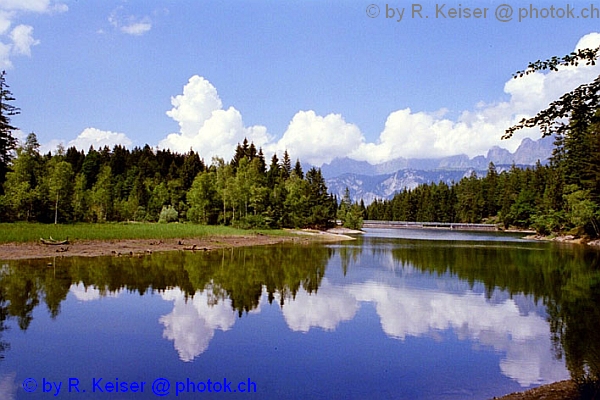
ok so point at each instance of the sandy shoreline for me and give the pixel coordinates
(137, 247)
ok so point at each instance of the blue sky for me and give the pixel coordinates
(319, 78)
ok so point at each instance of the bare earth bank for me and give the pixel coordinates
(563, 390)
(138, 247)
(565, 239)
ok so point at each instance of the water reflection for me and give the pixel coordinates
(333, 305)
(90, 293)
(192, 323)
(8, 386)
(535, 304)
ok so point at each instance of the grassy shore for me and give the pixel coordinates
(32, 232)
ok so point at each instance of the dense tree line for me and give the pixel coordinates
(144, 184)
(547, 198)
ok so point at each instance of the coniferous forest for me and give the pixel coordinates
(545, 198)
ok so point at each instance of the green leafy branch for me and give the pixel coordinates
(581, 103)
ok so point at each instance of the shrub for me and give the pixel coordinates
(168, 214)
(588, 385)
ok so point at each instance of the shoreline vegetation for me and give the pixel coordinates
(30, 240)
(23, 240)
(569, 239)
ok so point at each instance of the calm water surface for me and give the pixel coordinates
(396, 314)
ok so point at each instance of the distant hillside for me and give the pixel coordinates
(382, 181)
(369, 188)
(384, 186)
(528, 153)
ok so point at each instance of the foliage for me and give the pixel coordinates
(145, 185)
(168, 214)
(515, 201)
(349, 213)
(60, 183)
(579, 104)
(581, 210)
(588, 385)
(203, 199)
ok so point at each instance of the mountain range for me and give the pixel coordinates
(381, 181)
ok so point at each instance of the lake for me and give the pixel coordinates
(402, 314)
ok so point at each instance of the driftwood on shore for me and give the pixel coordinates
(53, 242)
(194, 248)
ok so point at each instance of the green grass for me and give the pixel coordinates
(32, 232)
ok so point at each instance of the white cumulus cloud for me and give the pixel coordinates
(38, 6)
(423, 134)
(192, 323)
(137, 28)
(205, 126)
(8, 386)
(5, 21)
(316, 139)
(523, 340)
(212, 130)
(326, 309)
(418, 134)
(90, 293)
(99, 138)
(5, 56)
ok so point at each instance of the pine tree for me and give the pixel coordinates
(298, 169)
(7, 142)
(274, 171)
(322, 208)
(262, 165)
(286, 165)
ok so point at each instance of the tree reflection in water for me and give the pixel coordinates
(566, 280)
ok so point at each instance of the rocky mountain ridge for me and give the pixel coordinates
(369, 182)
